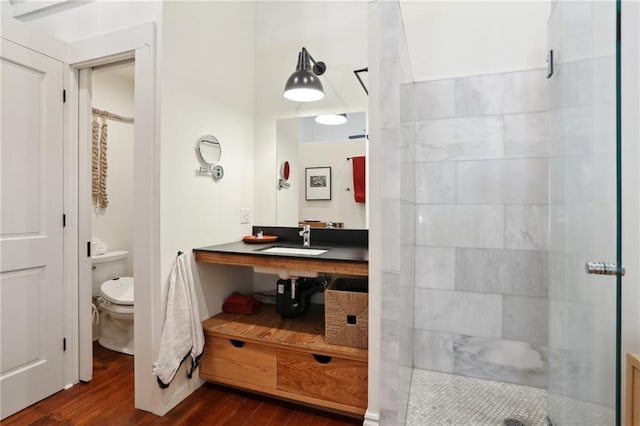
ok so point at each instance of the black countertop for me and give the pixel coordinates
(342, 245)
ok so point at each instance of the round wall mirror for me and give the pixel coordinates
(285, 170)
(209, 149)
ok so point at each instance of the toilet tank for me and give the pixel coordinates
(107, 266)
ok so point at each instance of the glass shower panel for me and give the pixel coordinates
(582, 307)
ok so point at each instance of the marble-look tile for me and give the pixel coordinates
(406, 374)
(589, 327)
(574, 130)
(604, 72)
(433, 350)
(503, 360)
(556, 329)
(390, 303)
(390, 188)
(579, 83)
(435, 267)
(471, 138)
(520, 181)
(584, 376)
(565, 411)
(390, 24)
(458, 312)
(389, 330)
(390, 216)
(408, 133)
(447, 399)
(407, 270)
(389, 108)
(525, 319)
(505, 93)
(460, 226)
(407, 224)
(526, 135)
(526, 226)
(389, 416)
(556, 84)
(435, 99)
(407, 105)
(435, 182)
(406, 347)
(526, 91)
(389, 371)
(480, 95)
(509, 272)
(408, 178)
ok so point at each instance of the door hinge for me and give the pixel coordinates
(550, 63)
(64, 344)
(64, 220)
(88, 248)
(64, 96)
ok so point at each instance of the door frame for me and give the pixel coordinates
(138, 42)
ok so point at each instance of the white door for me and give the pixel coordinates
(31, 244)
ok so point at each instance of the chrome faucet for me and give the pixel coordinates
(306, 235)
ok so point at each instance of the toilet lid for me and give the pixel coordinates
(118, 290)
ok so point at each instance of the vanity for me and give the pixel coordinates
(289, 358)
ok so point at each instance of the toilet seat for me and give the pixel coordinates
(118, 291)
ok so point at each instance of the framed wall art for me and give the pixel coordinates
(317, 183)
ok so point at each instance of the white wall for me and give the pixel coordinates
(113, 91)
(287, 150)
(84, 20)
(455, 39)
(208, 74)
(335, 34)
(342, 206)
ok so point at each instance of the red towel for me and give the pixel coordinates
(359, 178)
(239, 303)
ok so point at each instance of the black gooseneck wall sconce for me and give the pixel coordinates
(304, 85)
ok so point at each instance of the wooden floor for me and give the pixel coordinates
(108, 400)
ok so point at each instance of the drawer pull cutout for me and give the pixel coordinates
(236, 343)
(322, 359)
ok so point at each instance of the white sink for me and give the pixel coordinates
(293, 250)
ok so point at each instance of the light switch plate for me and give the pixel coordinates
(244, 215)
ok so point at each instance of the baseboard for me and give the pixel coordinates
(371, 418)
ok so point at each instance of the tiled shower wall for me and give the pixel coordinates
(481, 193)
(391, 152)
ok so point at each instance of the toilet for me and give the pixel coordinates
(114, 296)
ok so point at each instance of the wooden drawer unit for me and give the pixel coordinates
(277, 359)
(235, 361)
(329, 378)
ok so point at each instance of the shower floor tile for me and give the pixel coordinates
(446, 399)
(566, 411)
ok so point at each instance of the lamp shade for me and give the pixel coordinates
(303, 85)
(331, 119)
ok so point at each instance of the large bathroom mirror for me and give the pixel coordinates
(326, 156)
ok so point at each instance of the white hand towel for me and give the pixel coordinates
(197, 334)
(182, 333)
(98, 246)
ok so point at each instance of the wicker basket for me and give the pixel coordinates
(346, 312)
